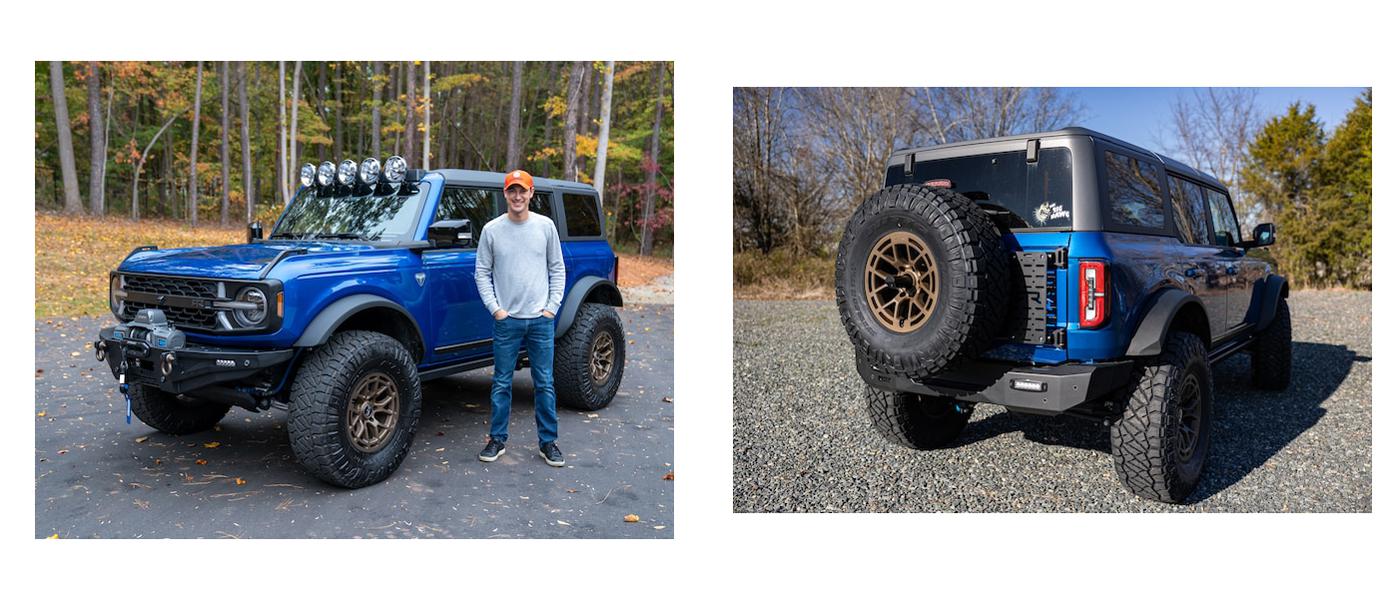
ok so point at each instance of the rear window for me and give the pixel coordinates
(1036, 194)
(581, 215)
(1134, 192)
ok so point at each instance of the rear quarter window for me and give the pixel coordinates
(1134, 192)
(581, 217)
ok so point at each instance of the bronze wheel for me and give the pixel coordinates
(901, 282)
(372, 412)
(600, 361)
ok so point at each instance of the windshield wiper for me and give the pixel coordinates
(341, 236)
(285, 234)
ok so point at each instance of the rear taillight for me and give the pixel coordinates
(1093, 293)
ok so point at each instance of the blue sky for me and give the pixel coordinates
(1138, 115)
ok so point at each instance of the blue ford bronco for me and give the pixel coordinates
(1064, 272)
(364, 289)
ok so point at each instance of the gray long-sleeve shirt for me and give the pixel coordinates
(520, 266)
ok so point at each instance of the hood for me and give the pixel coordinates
(241, 261)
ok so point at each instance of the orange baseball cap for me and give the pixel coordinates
(521, 178)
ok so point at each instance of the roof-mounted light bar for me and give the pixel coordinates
(325, 174)
(395, 168)
(308, 174)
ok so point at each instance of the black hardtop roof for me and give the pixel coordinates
(491, 179)
(1169, 162)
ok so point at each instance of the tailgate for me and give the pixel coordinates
(1036, 317)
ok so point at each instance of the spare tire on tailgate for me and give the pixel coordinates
(921, 280)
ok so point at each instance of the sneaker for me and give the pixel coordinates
(551, 454)
(492, 451)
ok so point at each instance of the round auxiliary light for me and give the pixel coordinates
(369, 171)
(346, 173)
(325, 174)
(395, 168)
(308, 174)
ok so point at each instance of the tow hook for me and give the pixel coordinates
(101, 350)
(168, 364)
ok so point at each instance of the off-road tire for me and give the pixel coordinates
(317, 420)
(1145, 438)
(170, 414)
(916, 421)
(574, 385)
(972, 268)
(1272, 360)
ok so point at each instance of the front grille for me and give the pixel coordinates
(172, 286)
(184, 317)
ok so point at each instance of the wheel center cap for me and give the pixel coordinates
(367, 410)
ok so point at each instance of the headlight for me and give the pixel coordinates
(308, 174)
(369, 171)
(325, 174)
(395, 168)
(346, 173)
(116, 295)
(255, 315)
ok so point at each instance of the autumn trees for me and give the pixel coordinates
(276, 116)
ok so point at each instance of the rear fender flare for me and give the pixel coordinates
(1151, 334)
(589, 288)
(1264, 301)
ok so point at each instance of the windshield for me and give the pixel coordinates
(1035, 194)
(387, 217)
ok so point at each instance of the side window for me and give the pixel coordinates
(1189, 209)
(581, 215)
(1134, 192)
(1227, 232)
(467, 203)
(541, 205)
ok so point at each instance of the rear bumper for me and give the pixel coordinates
(194, 366)
(1044, 390)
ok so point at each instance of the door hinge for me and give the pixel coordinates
(1060, 258)
(1057, 338)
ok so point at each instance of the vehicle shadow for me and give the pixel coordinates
(1250, 426)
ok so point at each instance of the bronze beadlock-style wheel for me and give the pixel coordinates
(373, 412)
(600, 360)
(901, 282)
(1189, 408)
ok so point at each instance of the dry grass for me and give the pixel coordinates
(72, 256)
(635, 269)
(782, 275)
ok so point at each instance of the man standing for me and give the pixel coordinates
(520, 276)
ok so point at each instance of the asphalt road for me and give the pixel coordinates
(803, 442)
(97, 477)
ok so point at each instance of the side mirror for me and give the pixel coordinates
(1264, 234)
(447, 234)
(255, 232)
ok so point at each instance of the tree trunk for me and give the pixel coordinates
(106, 141)
(136, 176)
(245, 141)
(605, 121)
(296, 103)
(72, 201)
(96, 202)
(320, 107)
(338, 133)
(223, 141)
(571, 120)
(410, 119)
(427, 112)
(513, 141)
(282, 133)
(376, 121)
(193, 201)
(649, 207)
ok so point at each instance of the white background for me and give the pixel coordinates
(716, 47)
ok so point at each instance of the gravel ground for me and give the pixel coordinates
(96, 476)
(803, 442)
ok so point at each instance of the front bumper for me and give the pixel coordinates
(1043, 390)
(192, 366)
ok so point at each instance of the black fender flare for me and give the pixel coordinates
(336, 313)
(1264, 301)
(587, 286)
(1151, 332)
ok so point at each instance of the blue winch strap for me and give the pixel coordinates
(128, 408)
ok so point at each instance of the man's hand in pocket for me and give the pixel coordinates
(501, 314)
(547, 314)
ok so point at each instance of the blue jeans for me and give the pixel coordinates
(537, 334)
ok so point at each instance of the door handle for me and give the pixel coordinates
(1193, 273)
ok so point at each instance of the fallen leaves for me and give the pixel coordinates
(43, 413)
(631, 519)
(200, 461)
(142, 439)
(211, 444)
(53, 537)
(239, 481)
(669, 476)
